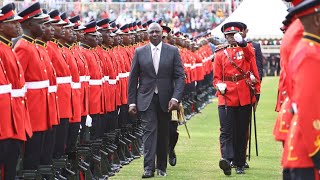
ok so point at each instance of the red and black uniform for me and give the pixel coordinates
(302, 145)
(74, 122)
(15, 124)
(64, 92)
(235, 105)
(53, 118)
(37, 83)
(289, 42)
(96, 100)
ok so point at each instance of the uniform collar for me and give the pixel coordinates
(41, 43)
(311, 37)
(68, 45)
(103, 47)
(6, 41)
(85, 46)
(232, 46)
(60, 45)
(55, 41)
(28, 38)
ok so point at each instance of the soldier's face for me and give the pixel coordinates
(59, 31)
(37, 27)
(91, 40)
(230, 39)
(125, 39)
(80, 35)
(10, 29)
(48, 32)
(155, 33)
(99, 39)
(69, 36)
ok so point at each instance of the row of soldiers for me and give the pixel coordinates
(298, 125)
(61, 78)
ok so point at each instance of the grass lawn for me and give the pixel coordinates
(198, 157)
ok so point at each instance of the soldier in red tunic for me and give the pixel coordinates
(17, 120)
(301, 150)
(49, 138)
(37, 82)
(237, 80)
(88, 43)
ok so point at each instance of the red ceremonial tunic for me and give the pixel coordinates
(84, 79)
(64, 79)
(75, 85)
(95, 84)
(238, 92)
(117, 68)
(37, 82)
(7, 128)
(53, 118)
(289, 42)
(303, 140)
(15, 74)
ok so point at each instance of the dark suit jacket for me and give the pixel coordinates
(259, 58)
(143, 78)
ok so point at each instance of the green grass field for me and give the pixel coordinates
(198, 157)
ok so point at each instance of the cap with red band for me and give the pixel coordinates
(91, 28)
(33, 11)
(305, 8)
(231, 27)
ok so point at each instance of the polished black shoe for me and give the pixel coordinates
(240, 170)
(161, 173)
(246, 165)
(172, 158)
(232, 165)
(148, 174)
(224, 164)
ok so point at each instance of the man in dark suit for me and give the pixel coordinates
(156, 84)
(257, 50)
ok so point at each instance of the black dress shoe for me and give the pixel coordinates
(246, 165)
(161, 173)
(172, 158)
(148, 174)
(232, 165)
(224, 164)
(240, 170)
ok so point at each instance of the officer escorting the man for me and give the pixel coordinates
(237, 80)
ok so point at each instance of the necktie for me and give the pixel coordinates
(155, 59)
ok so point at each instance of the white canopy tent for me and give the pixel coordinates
(263, 18)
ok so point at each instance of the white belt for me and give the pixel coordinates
(52, 89)
(211, 57)
(122, 75)
(37, 84)
(82, 78)
(112, 81)
(95, 82)
(117, 78)
(193, 66)
(199, 64)
(127, 74)
(4, 89)
(76, 85)
(106, 78)
(18, 92)
(64, 80)
(187, 65)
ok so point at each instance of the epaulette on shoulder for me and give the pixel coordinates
(221, 47)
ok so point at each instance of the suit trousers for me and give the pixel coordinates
(9, 154)
(234, 125)
(173, 135)
(155, 124)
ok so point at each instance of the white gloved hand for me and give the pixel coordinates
(253, 78)
(238, 37)
(89, 121)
